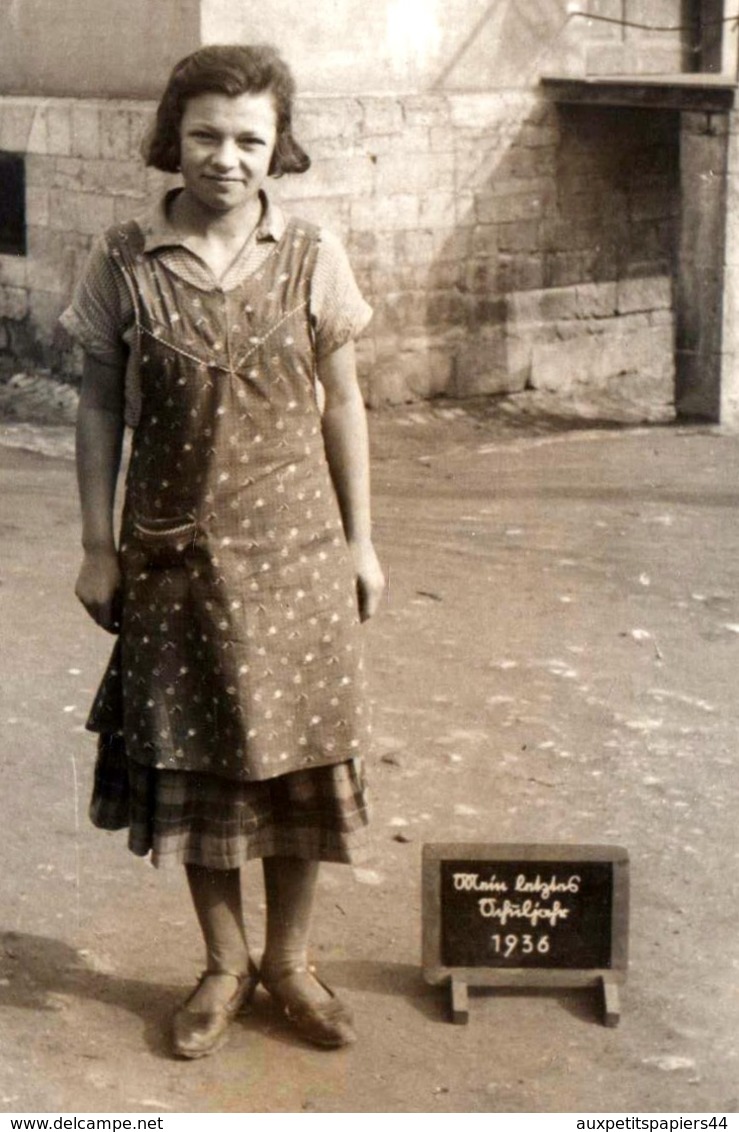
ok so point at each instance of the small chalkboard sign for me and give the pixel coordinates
(525, 916)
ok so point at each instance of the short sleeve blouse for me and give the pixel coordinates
(101, 315)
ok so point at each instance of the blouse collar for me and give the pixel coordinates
(159, 231)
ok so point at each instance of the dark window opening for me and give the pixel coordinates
(12, 204)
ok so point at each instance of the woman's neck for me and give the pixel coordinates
(193, 219)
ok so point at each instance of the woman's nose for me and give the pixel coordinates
(225, 156)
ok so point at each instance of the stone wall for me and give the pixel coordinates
(498, 238)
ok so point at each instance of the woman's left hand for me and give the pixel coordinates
(370, 578)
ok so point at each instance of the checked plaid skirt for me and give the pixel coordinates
(189, 817)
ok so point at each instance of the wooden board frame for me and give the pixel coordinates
(608, 978)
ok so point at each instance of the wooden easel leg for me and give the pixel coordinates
(460, 1002)
(611, 1004)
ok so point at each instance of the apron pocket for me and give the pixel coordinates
(165, 541)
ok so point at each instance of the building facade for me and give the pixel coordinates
(505, 238)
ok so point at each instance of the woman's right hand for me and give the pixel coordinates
(99, 588)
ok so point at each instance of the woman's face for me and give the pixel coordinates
(226, 146)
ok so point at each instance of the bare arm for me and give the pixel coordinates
(99, 444)
(347, 452)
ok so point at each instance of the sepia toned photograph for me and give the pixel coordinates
(369, 464)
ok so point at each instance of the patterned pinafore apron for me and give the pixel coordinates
(239, 652)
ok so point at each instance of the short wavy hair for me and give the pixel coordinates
(231, 70)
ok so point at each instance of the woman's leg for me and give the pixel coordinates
(314, 1010)
(290, 885)
(216, 894)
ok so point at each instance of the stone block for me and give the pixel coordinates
(67, 173)
(524, 307)
(504, 209)
(46, 259)
(631, 323)
(355, 177)
(596, 300)
(59, 128)
(16, 121)
(529, 164)
(480, 276)
(402, 312)
(85, 129)
(658, 59)
(556, 235)
(485, 240)
(412, 247)
(558, 366)
(13, 270)
(442, 309)
(538, 137)
(520, 273)
(13, 303)
(117, 178)
(652, 293)
(37, 207)
(128, 207)
(561, 269)
(62, 209)
(362, 246)
(409, 142)
(610, 59)
(601, 361)
(440, 139)
(387, 384)
(486, 366)
(115, 132)
(44, 310)
(54, 259)
(476, 168)
(559, 303)
(323, 117)
(385, 212)
(437, 209)
(38, 141)
(327, 212)
(381, 115)
(439, 276)
(89, 213)
(466, 216)
(424, 173)
(409, 375)
(520, 236)
(40, 170)
(484, 111)
(141, 121)
(425, 110)
(157, 183)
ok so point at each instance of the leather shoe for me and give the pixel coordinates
(329, 1024)
(197, 1033)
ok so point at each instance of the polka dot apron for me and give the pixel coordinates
(239, 651)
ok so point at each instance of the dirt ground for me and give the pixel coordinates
(554, 662)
